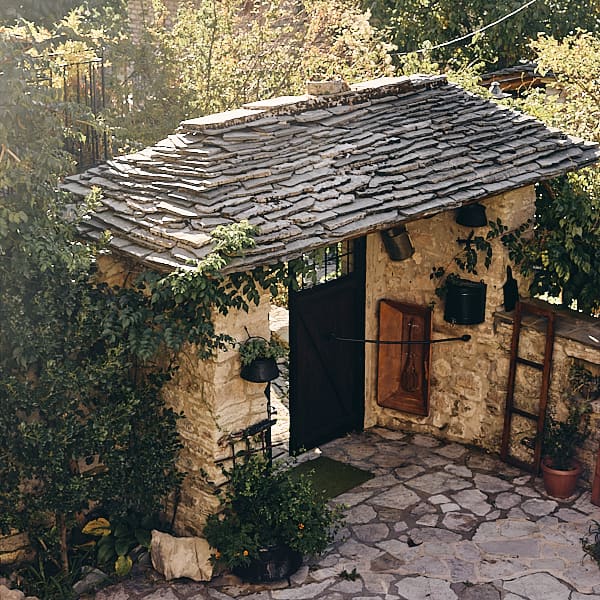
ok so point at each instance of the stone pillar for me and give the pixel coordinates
(213, 398)
(215, 402)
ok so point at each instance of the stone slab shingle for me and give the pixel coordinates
(311, 169)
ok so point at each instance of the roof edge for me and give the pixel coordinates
(358, 92)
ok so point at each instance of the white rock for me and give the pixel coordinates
(539, 586)
(539, 508)
(424, 588)
(7, 594)
(439, 499)
(181, 557)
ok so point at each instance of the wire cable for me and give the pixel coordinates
(468, 35)
(337, 338)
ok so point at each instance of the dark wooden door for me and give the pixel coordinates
(327, 376)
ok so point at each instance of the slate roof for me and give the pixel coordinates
(312, 170)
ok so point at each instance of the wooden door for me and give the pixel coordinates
(327, 376)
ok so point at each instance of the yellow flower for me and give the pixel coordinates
(245, 552)
(300, 526)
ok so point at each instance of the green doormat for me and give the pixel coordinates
(331, 476)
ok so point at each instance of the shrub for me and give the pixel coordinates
(264, 506)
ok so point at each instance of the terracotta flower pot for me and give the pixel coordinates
(560, 484)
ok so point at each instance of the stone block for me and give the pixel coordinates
(14, 541)
(8, 594)
(181, 557)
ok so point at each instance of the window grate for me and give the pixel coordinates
(328, 264)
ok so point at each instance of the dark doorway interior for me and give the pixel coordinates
(327, 376)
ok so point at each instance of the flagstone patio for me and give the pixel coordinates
(439, 521)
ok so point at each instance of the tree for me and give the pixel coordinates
(561, 253)
(66, 389)
(214, 55)
(414, 24)
(82, 364)
(47, 12)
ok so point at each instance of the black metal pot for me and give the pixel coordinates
(260, 370)
(471, 215)
(273, 564)
(465, 302)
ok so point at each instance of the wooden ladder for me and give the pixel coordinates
(545, 366)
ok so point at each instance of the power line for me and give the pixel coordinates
(468, 35)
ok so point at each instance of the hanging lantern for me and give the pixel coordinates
(397, 243)
(472, 215)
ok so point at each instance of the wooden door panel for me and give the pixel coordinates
(403, 369)
(326, 376)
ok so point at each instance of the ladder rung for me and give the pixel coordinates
(529, 363)
(524, 413)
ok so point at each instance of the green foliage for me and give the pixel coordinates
(563, 437)
(118, 538)
(591, 543)
(47, 12)
(215, 56)
(257, 347)
(265, 506)
(45, 581)
(68, 391)
(82, 364)
(575, 63)
(350, 576)
(414, 24)
(560, 251)
(467, 258)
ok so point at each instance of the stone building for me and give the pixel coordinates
(337, 171)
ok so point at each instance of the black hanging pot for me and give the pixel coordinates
(465, 301)
(272, 564)
(260, 370)
(471, 215)
(397, 243)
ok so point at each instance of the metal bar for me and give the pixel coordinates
(525, 414)
(530, 363)
(462, 338)
(102, 83)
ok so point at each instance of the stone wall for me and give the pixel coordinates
(465, 401)
(216, 402)
(213, 398)
(15, 548)
(467, 380)
(574, 344)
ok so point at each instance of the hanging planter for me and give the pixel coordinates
(465, 301)
(258, 357)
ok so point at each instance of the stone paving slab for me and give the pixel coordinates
(438, 522)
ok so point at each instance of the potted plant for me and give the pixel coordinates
(269, 519)
(258, 357)
(560, 469)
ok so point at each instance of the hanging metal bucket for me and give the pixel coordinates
(465, 302)
(472, 215)
(397, 243)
